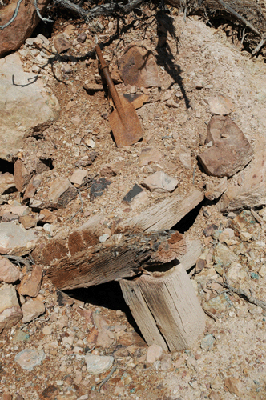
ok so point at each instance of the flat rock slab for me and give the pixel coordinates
(24, 105)
(160, 182)
(248, 189)
(98, 364)
(138, 67)
(10, 312)
(230, 151)
(9, 272)
(32, 309)
(16, 240)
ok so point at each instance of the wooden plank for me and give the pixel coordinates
(165, 214)
(171, 302)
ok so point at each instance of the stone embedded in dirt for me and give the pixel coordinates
(140, 200)
(61, 192)
(78, 176)
(10, 312)
(220, 105)
(14, 35)
(160, 182)
(22, 108)
(149, 155)
(16, 240)
(105, 338)
(98, 186)
(7, 183)
(61, 43)
(32, 309)
(132, 193)
(9, 272)
(154, 353)
(215, 191)
(92, 87)
(31, 283)
(138, 67)
(28, 221)
(98, 364)
(230, 150)
(207, 342)
(185, 158)
(82, 37)
(30, 358)
(137, 100)
(249, 187)
(233, 385)
(47, 216)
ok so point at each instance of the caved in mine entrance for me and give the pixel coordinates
(188, 220)
(6, 166)
(108, 295)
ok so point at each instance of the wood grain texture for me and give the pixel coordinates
(166, 303)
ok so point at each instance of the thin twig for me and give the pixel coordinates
(238, 16)
(13, 17)
(260, 45)
(39, 14)
(107, 377)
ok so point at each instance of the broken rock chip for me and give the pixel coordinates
(32, 309)
(30, 358)
(160, 182)
(16, 240)
(78, 176)
(9, 272)
(98, 364)
(230, 151)
(138, 67)
(215, 191)
(23, 107)
(132, 193)
(10, 312)
(61, 43)
(220, 105)
(148, 155)
(31, 283)
(61, 192)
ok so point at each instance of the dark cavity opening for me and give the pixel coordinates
(188, 220)
(48, 162)
(6, 166)
(108, 295)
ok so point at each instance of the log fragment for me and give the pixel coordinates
(165, 308)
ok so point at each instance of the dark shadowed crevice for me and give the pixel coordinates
(6, 166)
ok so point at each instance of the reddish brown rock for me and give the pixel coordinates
(15, 34)
(138, 67)
(31, 283)
(28, 221)
(230, 151)
(32, 309)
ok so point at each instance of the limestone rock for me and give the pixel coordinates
(14, 35)
(23, 106)
(30, 358)
(215, 191)
(98, 364)
(9, 272)
(230, 151)
(249, 187)
(160, 182)
(78, 176)
(148, 155)
(16, 240)
(154, 352)
(32, 309)
(220, 105)
(31, 283)
(61, 192)
(10, 312)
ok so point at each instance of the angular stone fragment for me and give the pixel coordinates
(31, 283)
(220, 105)
(138, 67)
(215, 191)
(61, 192)
(23, 106)
(230, 151)
(10, 312)
(14, 35)
(132, 193)
(15, 240)
(30, 358)
(148, 155)
(61, 43)
(7, 183)
(248, 189)
(32, 309)
(98, 364)
(9, 272)
(78, 176)
(28, 221)
(160, 182)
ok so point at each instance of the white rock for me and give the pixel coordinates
(15, 239)
(154, 353)
(220, 105)
(10, 312)
(78, 176)
(30, 358)
(98, 364)
(104, 237)
(160, 182)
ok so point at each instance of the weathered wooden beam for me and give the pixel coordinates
(123, 255)
(166, 308)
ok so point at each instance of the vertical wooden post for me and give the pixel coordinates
(166, 308)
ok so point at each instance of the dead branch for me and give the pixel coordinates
(39, 14)
(13, 17)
